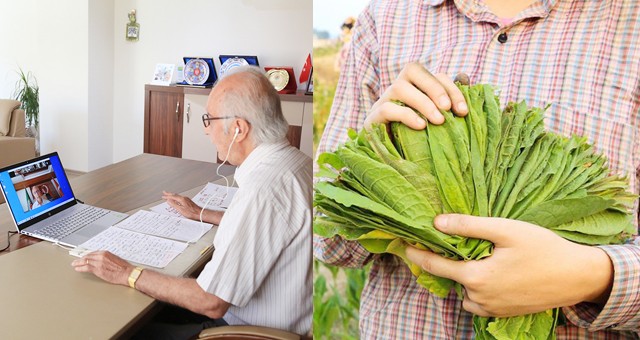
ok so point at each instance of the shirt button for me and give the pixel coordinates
(502, 38)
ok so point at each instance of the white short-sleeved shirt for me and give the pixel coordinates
(262, 258)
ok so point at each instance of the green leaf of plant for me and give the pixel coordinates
(555, 212)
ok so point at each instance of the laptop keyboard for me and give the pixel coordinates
(71, 223)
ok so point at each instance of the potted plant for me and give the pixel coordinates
(27, 93)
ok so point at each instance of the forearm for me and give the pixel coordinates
(183, 292)
(208, 216)
(211, 216)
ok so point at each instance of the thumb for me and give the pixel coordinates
(492, 229)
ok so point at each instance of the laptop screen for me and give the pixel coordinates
(35, 188)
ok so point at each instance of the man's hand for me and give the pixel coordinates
(531, 269)
(422, 91)
(184, 205)
(106, 266)
(187, 208)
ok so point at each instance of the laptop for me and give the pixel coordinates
(42, 204)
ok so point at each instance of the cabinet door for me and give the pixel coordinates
(195, 143)
(163, 123)
(292, 112)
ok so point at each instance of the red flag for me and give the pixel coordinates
(306, 69)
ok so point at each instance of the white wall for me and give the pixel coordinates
(277, 31)
(100, 84)
(38, 37)
(92, 80)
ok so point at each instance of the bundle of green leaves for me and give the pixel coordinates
(384, 187)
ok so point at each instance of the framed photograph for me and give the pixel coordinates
(163, 74)
(310, 83)
(133, 28)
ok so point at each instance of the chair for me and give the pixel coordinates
(248, 333)
(15, 146)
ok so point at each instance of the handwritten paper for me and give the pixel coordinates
(152, 223)
(220, 196)
(136, 247)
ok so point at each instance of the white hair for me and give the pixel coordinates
(257, 102)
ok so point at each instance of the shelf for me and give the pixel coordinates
(297, 97)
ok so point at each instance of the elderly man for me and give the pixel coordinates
(39, 196)
(260, 272)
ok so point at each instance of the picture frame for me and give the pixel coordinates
(163, 74)
(133, 31)
(309, 90)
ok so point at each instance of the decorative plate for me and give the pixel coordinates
(279, 78)
(230, 64)
(196, 71)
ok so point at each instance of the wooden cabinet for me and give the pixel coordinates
(163, 120)
(195, 143)
(173, 124)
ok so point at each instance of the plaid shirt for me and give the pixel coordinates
(583, 57)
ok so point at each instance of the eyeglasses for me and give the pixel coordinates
(206, 119)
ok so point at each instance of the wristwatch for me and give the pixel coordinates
(133, 277)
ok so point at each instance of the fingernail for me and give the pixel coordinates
(420, 122)
(444, 101)
(462, 106)
(441, 222)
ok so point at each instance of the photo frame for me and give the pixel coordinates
(309, 90)
(163, 74)
(132, 32)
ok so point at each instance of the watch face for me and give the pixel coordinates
(278, 78)
(231, 63)
(196, 71)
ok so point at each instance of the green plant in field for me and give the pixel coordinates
(336, 301)
(27, 92)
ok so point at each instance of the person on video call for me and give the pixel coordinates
(260, 272)
(39, 196)
(582, 57)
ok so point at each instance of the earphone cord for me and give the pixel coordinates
(224, 177)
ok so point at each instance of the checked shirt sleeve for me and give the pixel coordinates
(340, 252)
(357, 90)
(622, 310)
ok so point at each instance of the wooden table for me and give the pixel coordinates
(44, 298)
(126, 186)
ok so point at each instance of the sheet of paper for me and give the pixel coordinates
(220, 201)
(152, 223)
(144, 249)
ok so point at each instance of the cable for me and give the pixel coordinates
(63, 246)
(224, 177)
(9, 233)
(226, 182)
